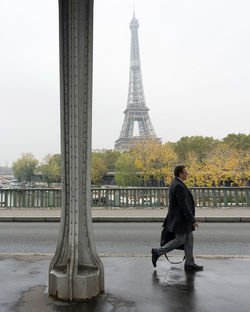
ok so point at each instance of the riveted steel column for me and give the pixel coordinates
(76, 271)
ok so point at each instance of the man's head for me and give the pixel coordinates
(180, 171)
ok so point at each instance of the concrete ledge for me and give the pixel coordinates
(223, 219)
(112, 255)
(112, 219)
(245, 219)
(123, 219)
(29, 219)
(52, 219)
(158, 219)
(139, 219)
(201, 219)
(6, 219)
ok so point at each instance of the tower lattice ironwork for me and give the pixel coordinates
(136, 110)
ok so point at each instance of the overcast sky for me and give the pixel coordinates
(195, 67)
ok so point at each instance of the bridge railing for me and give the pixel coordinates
(30, 198)
(127, 197)
(158, 197)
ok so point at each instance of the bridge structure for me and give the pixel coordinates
(76, 271)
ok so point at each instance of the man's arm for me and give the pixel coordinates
(182, 203)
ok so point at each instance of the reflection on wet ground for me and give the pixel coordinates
(133, 285)
(175, 277)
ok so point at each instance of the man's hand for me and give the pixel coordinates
(196, 224)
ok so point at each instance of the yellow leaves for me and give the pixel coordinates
(222, 165)
(139, 164)
(152, 159)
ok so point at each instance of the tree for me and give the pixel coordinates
(110, 157)
(240, 141)
(143, 154)
(51, 168)
(163, 162)
(126, 171)
(182, 147)
(98, 168)
(222, 166)
(24, 168)
(226, 165)
(193, 164)
(196, 145)
(154, 160)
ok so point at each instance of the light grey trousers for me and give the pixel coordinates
(187, 239)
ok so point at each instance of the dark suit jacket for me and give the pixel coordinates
(181, 211)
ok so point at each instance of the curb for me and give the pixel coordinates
(125, 219)
(106, 255)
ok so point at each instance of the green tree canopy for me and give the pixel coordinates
(110, 157)
(126, 171)
(24, 168)
(240, 141)
(194, 145)
(51, 168)
(98, 168)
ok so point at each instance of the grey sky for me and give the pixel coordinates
(195, 65)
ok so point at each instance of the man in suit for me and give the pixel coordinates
(180, 220)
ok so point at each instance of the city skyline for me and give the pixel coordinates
(195, 70)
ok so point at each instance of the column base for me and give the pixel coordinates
(88, 283)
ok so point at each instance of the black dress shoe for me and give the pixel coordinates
(193, 267)
(154, 256)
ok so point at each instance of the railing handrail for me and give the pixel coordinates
(128, 188)
(31, 189)
(126, 197)
(166, 187)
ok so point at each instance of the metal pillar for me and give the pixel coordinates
(76, 272)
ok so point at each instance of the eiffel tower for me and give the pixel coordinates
(136, 110)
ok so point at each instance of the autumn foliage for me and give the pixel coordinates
(224, 165)
(209, 162)
(154, 160)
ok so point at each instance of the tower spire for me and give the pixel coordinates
(136, 110)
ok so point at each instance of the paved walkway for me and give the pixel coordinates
(126, 215)
(131, 285)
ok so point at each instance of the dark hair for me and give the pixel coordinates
(178, 169)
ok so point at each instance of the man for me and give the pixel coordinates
(180, 220)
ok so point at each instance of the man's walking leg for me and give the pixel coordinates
(188, 248)
(176, 242)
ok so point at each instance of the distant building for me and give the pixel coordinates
(6, 172)
(100, 150)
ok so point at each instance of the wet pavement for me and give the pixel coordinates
(132, 285)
